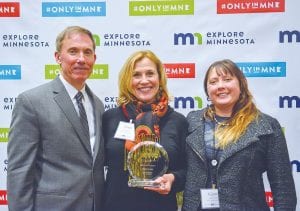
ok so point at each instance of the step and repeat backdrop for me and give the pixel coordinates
(261, 36)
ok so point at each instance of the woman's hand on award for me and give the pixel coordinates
(165, 184)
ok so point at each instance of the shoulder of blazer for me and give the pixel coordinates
(263, 125)
(43, 89)
(255, 130)
(195, 119)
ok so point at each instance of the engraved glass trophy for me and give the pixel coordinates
(146, 161)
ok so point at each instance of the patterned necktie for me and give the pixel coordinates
(82, 113)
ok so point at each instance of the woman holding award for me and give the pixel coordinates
(229, 147)
(143, 116)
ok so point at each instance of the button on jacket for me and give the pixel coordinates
(262, 148)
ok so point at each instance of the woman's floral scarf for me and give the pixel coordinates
(145, 118)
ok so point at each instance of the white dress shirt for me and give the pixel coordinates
(87, 106)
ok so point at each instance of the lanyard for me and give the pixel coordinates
(213, 159)
(214, 162)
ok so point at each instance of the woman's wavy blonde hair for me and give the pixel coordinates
(126, 94)
(244, 111)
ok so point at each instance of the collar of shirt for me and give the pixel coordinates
(71, 90)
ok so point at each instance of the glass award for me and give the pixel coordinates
(146, 161)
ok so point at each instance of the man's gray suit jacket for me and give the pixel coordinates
(50, 163)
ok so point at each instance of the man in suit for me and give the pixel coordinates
(55, 162)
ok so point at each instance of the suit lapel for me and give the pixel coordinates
(97, 122)
(255, 129)
(196, 137)
(62, 98)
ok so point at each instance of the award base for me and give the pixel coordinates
(142, 183)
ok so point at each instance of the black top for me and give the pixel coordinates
(118, 196)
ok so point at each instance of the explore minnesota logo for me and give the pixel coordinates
(161, 7)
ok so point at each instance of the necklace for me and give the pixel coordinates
(220, 123)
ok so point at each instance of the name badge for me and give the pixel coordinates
(210, 198)
(125, 130)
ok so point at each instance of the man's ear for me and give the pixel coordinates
(57, 57)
